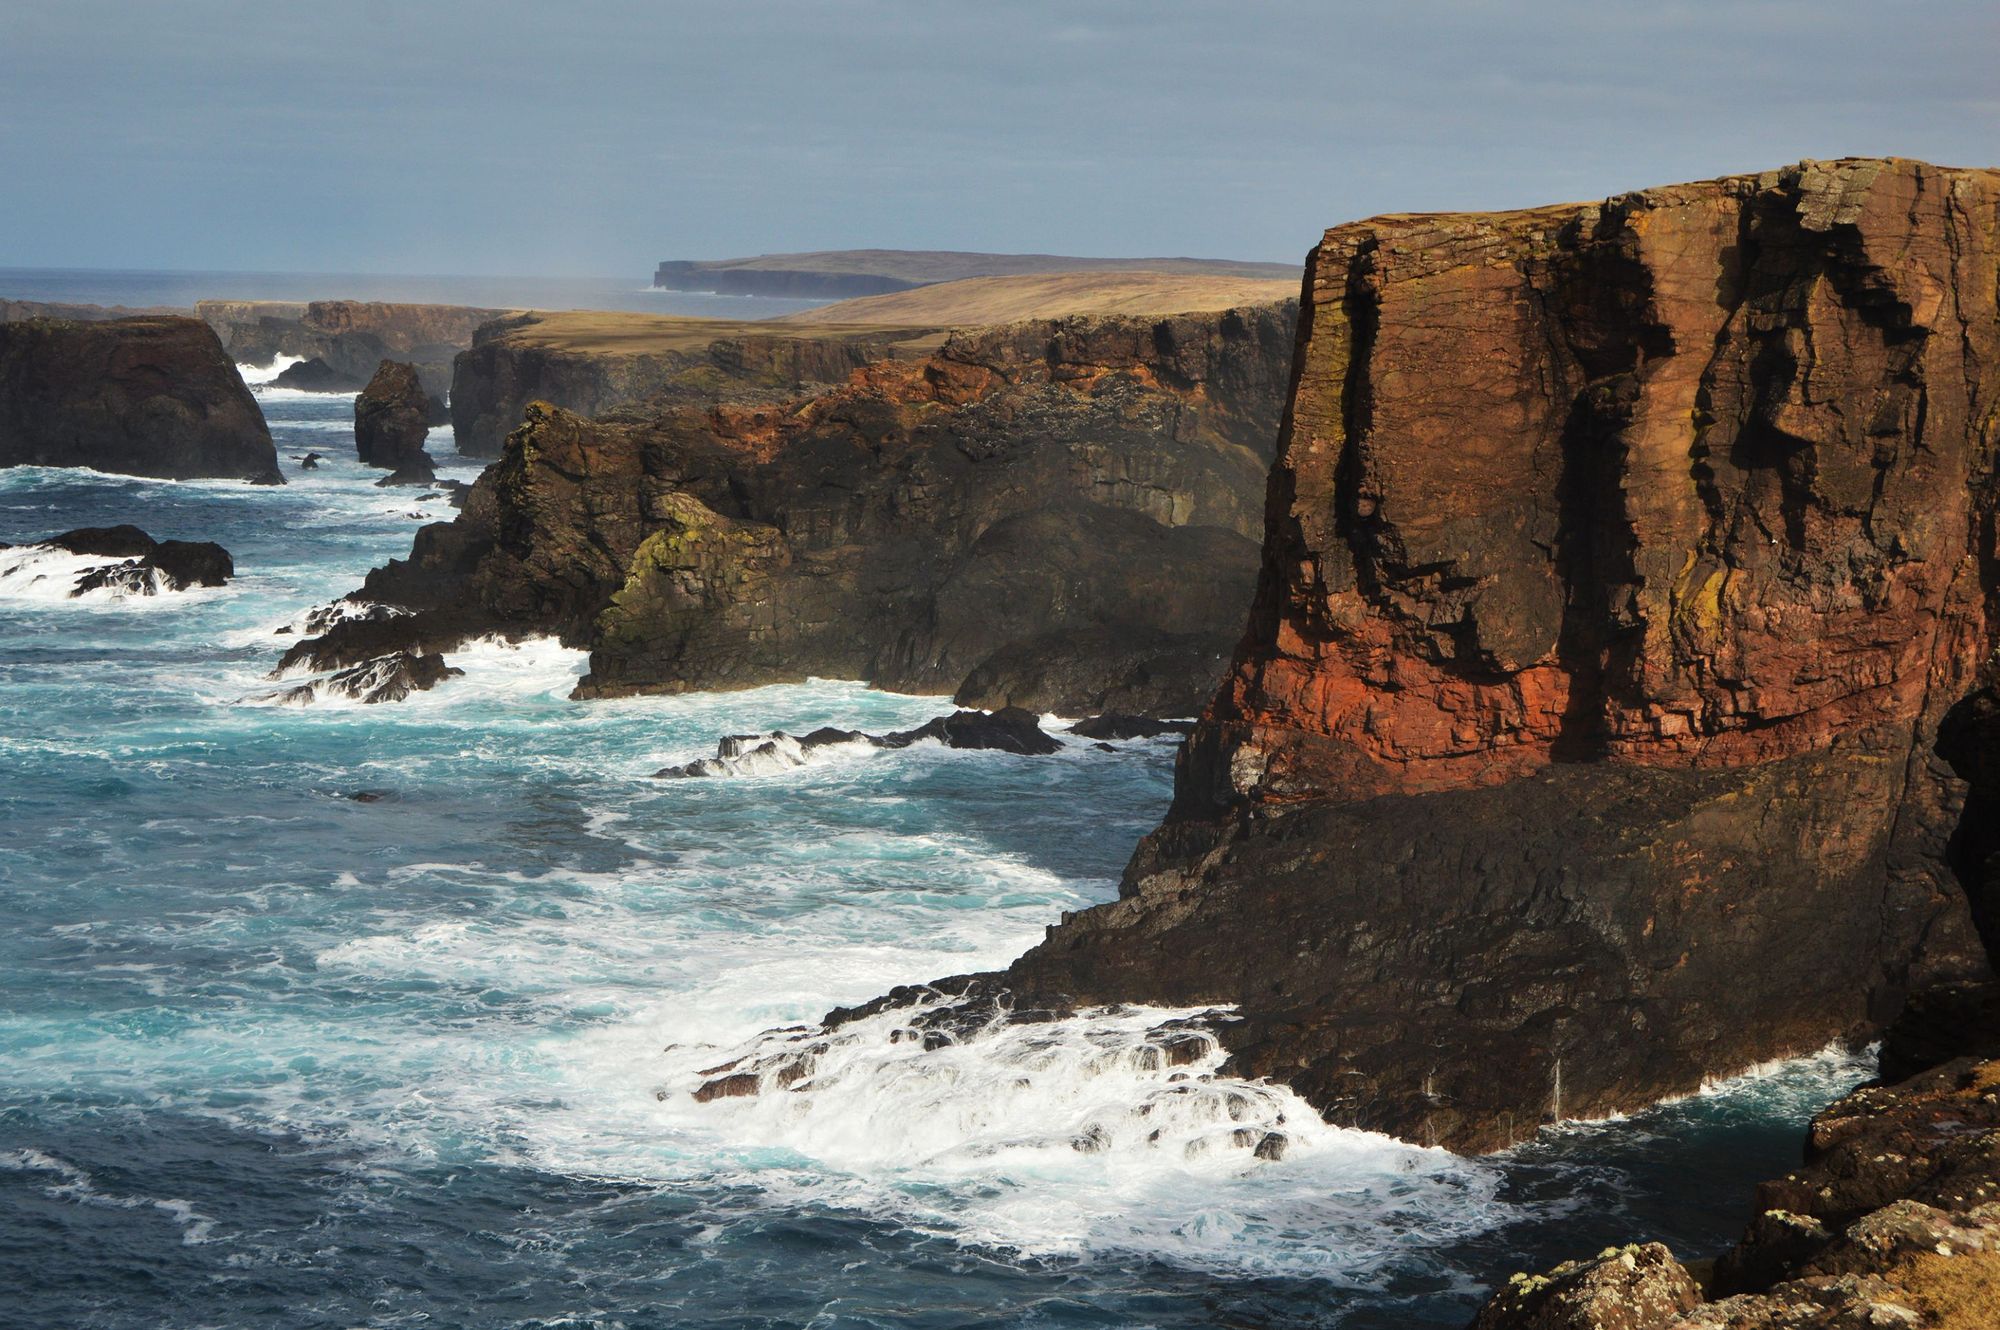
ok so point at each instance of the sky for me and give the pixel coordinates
(596, 137)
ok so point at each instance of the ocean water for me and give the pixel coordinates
(273, 1055)
(144, 287)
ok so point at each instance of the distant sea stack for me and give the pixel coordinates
(1060, 515)
(847, 273)
(153, 396)
(391, 421)
(1620, 565)
(348, 338)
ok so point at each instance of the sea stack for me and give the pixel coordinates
(391, 419)
(1622, 561)
(152, 396)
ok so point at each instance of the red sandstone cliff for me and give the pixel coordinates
(1620, 562)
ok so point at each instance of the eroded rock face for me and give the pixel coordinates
(149, 396)
(1096, 481)
(387, 678)
(1622, 562)
(391, 420)
(144, 566)
(515, 361)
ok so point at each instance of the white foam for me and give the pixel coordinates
(46, 575)
(254, 375)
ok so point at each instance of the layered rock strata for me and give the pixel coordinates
(151, 396)
(1064, 510)
(1621, 563)
(591, 363)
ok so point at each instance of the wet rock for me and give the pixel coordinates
(314, 375)
(1112, 726)
(737, 1085)
(147, 566)
(388, 678)
(1009, 730)
(111, 542)
(310, 462)
(413, 471)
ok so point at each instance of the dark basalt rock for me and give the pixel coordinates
(310, 462)
(145, 397)
(111, 542)
(391, 420)
(413, 471)
(314, 375)
(389, 678)
(1011, 731)
(1060, 510)
(1128, 727)
(149, 566)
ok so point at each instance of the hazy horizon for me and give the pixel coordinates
(593, 140)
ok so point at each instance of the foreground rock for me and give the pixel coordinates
(1011, 730)
(144, 397)
(143, 566)
(1060, 513)
(1581, 743)
(1894, 1220)
(391, 422)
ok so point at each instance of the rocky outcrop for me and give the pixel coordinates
(19, 311)
(1008, 731)
(386, 678)
(1621, 564)
(591, 363)
(1094, 483)
(144, 397)
(137, 565)
(1893, 1220)
(392, 419)
(348, 338)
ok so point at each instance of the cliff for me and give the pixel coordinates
(589, 363)
(1620, 563)
(146, 397)
(351, 337)
(843, 274)
(1054, 515)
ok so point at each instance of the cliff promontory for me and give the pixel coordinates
(149, 396)
(591, 362)
(348, 338)
(1056, 514)
(1621, 562)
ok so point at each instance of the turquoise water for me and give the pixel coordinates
(270, 1055)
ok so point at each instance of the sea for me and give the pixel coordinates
(335, 1015)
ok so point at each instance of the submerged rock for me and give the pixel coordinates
(1128, 727)
(144, 397)
(1012, 731)
(413, 471)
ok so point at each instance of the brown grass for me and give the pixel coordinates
(989, 300)
(606, 333)
(1955, 1292)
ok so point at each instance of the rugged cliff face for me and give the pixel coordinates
(1620, 563)
(144, 397)
(1056, 514)
(351, 337)
(391, 421)
(591, 363)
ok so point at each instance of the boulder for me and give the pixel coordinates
(314, 375)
